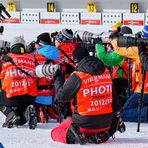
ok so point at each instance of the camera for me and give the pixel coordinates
(92, 38)
(30, 47)
(88, 39)
(128, 41)
(4, 47)
(53, 37)
(46, 70)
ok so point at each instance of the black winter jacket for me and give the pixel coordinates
(144, 59)
(67, 90)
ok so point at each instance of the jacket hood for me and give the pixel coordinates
(91, 65)
(50, 52)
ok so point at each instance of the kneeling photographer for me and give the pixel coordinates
(18, 86)
(128, 47)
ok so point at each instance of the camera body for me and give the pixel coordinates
(30, 47)
(4, 47)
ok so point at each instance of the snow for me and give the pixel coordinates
(23, 137)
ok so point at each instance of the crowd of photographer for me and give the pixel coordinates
(92, 80)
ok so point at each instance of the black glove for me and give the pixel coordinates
(115, 35)
(66, 67)
(141, 47)
(69, 69)
(58, 73)
(97, 40)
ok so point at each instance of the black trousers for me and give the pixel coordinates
(17, 103)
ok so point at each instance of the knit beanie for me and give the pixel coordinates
(79, 54)
(65, 35)
(144, 31)
(126, 30)
(17, 40)
(43, 39)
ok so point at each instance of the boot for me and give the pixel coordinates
(11, 120)
(121, 127)
(77, 136)
(31, 116)
(99, 137)
(117, 125)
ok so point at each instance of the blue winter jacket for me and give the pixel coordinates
(50, 52)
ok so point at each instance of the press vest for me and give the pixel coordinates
(68, 48)
(95, 94)
(44, 84)
(123, 68)
(14, 81)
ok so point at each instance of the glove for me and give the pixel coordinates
(114, 35)
(68, 67)
(141, 47)
(54, 68)
(97, 40)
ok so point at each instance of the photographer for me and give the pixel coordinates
(65, 44)
(91, 120)
(44, 54)
(130, 112)
(143, 51)
(18, 82)
(119, 69)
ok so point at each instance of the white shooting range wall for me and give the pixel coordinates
(30, 31)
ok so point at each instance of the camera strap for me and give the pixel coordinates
(65, 54)
(7, 58)
(52, 80)
(48, 61)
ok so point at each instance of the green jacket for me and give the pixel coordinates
(109, 59)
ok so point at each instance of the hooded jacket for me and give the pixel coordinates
(41, 56)
(50, 52)
(132, 53)
(109, 59)
(120, 69)
(68, 91)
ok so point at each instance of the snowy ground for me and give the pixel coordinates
(23, 137)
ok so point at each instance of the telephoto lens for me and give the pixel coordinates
(125, 41)
(46, 70)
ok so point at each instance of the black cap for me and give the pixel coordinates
(126, 30)
(79, 54)
(44, 39)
